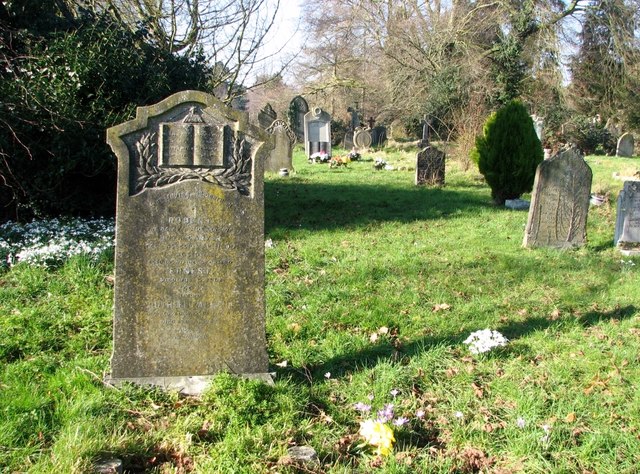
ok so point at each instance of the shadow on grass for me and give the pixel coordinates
(296, 204)
(370, 357)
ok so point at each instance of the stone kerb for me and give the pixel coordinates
(189, 259)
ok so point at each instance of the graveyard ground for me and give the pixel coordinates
(372, 286)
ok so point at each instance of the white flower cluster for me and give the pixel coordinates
(484, 341)
(51, 242)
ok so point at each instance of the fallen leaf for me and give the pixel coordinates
(383, 330)
(570, 418)
(441, 307)
(477, 390)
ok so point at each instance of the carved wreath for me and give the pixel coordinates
(237, 176)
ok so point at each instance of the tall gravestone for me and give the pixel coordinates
(378, 135)
(559, 202)
(266, 116)
(625, 145)
(361, 139)
(430, 167)
(189, 263)
(281, 155)
(298, 108)
(627, 233)
(317, 132)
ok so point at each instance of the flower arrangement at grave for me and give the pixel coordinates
(320, 157)
(354, 155)
(379, 164)
(339, 161)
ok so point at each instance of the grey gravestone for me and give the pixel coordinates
(361, 139)
(378, 135)
(625, 146)
(538, 125)
(426, 131)
(189, 262)
(298, 108)
(281, 155)
(559, 202)
(317, 132)
(430, 167)
(354, 121)
(627, 233)
(398, 130)
(347, 144)
(266, 116)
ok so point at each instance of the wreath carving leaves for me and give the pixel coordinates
(237, 176)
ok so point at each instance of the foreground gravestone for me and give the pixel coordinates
(189, 263)
(430, 167)
(627, 233)
(282, 153)
(625, 146)
(298, 108)
(317, 132)
(559, 202)
(266, 116)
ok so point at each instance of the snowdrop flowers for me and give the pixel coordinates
(484, 341)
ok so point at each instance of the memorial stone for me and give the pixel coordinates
(378, 135)
(361, 139)
(189, 259)
(398, 130)
(347, 144)
(281, 155)
(298, 108)
(538, 125)
(266, 116)
(317, 132)
(559, 202)
(627, 232)
(625, 146)
(430, 167)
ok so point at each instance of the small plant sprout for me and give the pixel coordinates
(484, 341)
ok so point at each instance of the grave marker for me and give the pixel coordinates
(317, 132)
(266, 116)
(430, 167)
(189, 263)
(627, 233)
(559, 202)
(281, 155)
(298, 108)
(625, 146)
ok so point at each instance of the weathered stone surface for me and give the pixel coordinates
(266, 116)
(627, 232)
(317, 132)
(108, 466)
(559, 202)
(361, 139)
(378, 135)
(189, 290)
(282, 153)
(347, 144)
(517, 204)
(625, 146)
(298, 108)
(398, 130)
(430, 167)
(538, 125)
(303, 454)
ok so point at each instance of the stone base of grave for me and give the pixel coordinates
(629, 252)
(517, 204)
(193, 385)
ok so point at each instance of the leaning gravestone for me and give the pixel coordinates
(627, 233)
(298, 108)
(559, 202)
(317, 132)
(281, 155)
(625, 146)
(361, 139)
(430, 167)
(189, 262)
(266, 116)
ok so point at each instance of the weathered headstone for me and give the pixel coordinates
(266, 116)
(347, 144)
(378, 135)
(317, 132)
(298, 108)
(426, 131)
(559, 202)
(361, 139)
(538, 125)
(627, 233)
(189, 262)
(430, 167)
(281, 155)
(398, 130)
(625, 145)
(354, 119)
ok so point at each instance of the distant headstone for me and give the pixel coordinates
(317, 132)
(361, 139)
(281, 155)
(538, 125)
(627, 233)
(430, 167)
(625, 145)
(559, 202)
(398, 130)
(354, 121)
(378, 135)
(426, 131)
(298, 108)
(266, 117)
(347, 144)
(189, 261)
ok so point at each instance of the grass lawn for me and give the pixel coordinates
(372, 286)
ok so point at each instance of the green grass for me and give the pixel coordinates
(377, 283)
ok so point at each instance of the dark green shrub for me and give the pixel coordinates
(590, 136)
(508, 152)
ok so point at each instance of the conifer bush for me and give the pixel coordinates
(508, 152)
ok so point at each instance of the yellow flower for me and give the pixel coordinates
(379, 435)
